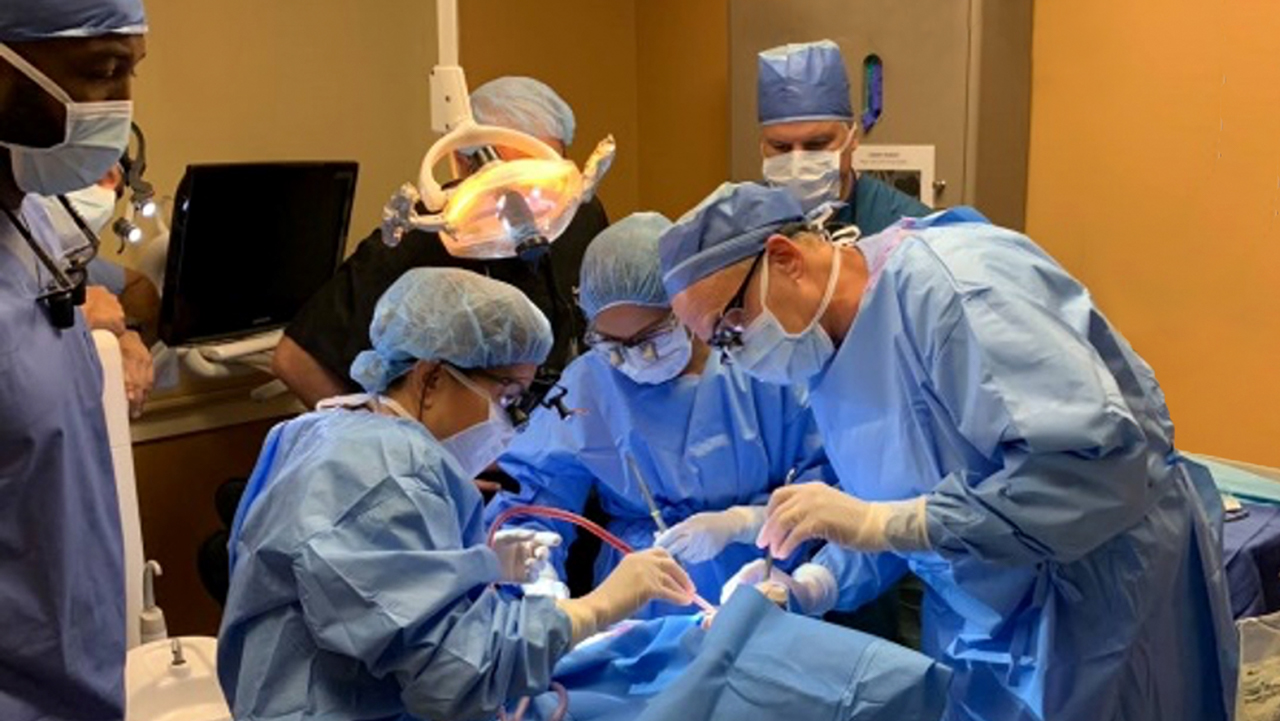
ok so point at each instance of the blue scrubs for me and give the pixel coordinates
(1076, 575)
(106, 274)
(360, 583)
(873, 205)
(703, 443)
(62, 616)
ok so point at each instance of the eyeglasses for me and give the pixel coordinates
(520, 402)
(644, 339)
(510, 390)
(726, 334)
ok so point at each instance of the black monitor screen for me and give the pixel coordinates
(250, 243)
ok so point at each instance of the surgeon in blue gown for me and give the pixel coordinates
(62, 609)
(656, 408)
(808, 134)
(991, 431)
(361, 585)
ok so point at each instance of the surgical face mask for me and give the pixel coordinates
(656, 360)
(476, 447)
(811, 176)
(95, 204)
(95, 136)
(773, 355)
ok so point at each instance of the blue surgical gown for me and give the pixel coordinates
(62, 617)
(360, 583)
(1075, 574)
(703, 442)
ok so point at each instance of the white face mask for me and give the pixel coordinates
(773, 355)
(811, 176)
(656, 360)
(95, 136)
(95, 204)
(478, 446)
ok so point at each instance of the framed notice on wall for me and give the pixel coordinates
(909, 168)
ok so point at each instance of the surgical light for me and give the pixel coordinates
(126, 230)
(146, 207)
(502, 208)
(142, 193)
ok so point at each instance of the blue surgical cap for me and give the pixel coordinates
(802, 82)
(524, 104)
(732, 224)
(23, 20)
(451, 315)
(621, 266)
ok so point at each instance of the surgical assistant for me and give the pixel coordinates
(658, 415)
(361, 586)
(992, 432)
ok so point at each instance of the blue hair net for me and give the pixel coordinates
(23, 20)
(452, 315)
(802, 82)
(730, 225)
(621, 265)
(524, 104)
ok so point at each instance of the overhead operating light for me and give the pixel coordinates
(506, 208)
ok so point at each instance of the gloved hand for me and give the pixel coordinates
(523, 552)
(812, 587)
(641, 577)
(816, 510)
(703, 536)
(547, 583)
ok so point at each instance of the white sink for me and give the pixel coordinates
(158, 690)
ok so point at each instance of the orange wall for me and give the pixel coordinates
(683, 101)
(1155, 177)
(654, 73)
(586, 51)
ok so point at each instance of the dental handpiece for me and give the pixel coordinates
(654, 513)
(768, 553)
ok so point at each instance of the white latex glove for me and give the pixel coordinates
(547, 583)
(816, 510)
(139, 372)
(523, 552)
(641, 577)
(812, 587)
(703, 536)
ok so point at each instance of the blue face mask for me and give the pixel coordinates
(771, 354)
(656, 360)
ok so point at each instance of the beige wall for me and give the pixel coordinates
(1155, 177)
(238, 80)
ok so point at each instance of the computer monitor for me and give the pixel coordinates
(250, 243)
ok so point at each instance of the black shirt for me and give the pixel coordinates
(333, 326)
